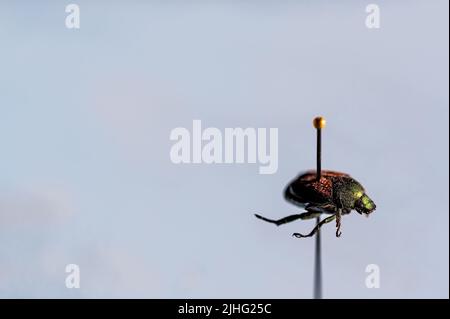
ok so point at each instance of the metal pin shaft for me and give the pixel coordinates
(319, 123)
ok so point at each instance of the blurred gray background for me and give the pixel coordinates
(86, 178)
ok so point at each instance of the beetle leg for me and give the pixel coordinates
(338, 223)
(291, 218)
(310, 215)
(281, 221)
(315, 229)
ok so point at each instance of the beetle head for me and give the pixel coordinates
(364, 205)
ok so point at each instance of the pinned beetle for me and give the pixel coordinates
(334, 194)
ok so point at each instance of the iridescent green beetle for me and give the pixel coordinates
(335, 194)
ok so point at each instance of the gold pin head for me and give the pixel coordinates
(319, 122)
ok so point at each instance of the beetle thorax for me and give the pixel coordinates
(346, 191)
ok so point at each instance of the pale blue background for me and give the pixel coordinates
(85, 117)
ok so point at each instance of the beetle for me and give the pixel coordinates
(334, 194)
